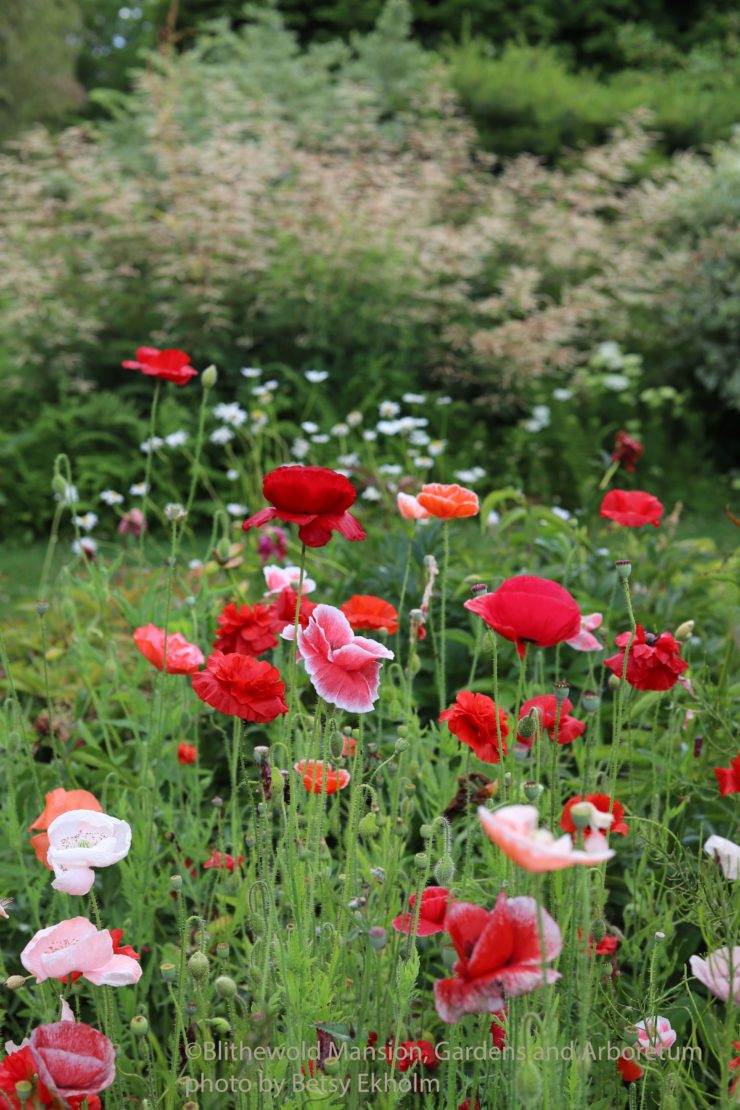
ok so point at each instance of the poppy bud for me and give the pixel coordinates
(444, 872)
(176, 882)
(222, 549)
(403, 730)
(198, 966)
(581, 814)
(58, 484)
(682, 632)
(401, 744)
(415, 664)
(377, 937)
(222, 950)
(24, 1090)
(591, 701)
(528, 724)
(139, 1026)
(225, 987)
(209, 377)
(532, 791)
(529, 1084)
(368, 825)
(168, 972)
(598, 929)
(624, 569)
(561, 691)
(614, 682)
(426, 832)
(42, 608)
(15, 982)
(220, 1025)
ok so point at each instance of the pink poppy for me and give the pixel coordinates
(654, 1035)
(499, 955)
(344, 668)
(182, 656)
(514, 829)
(73, 1060)
(409, 507)
(278, 578)
(585, 640)
(714, 973)
(432, 912)
(80, 840)
(76, 945)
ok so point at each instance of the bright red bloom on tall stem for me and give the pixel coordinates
(728, 778)
(407, 1054)
(569, 728)
(627, 451)
(529, 610)
(241, 686)
(432, 912)
(58, 801)
(247, 630)
(476, 721)
(170, 364)
(222, 861)
(72, 1059)
(604, 804)
(631, 508)
(315, 498)
(654, 661)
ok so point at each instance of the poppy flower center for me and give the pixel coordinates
(650, 638)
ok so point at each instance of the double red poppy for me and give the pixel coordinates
(477, 721)
(241, 686)
(654, 662)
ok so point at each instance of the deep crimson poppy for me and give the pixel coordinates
(728, 778)
(407, 1054)
(628, 1069)
(627, 451)
(170, 365)
(476, 721)
(529, 610)
(499, 955)
(282, 610)
(604, 804)
(467, 1105)
(632, 508)
(313, 497)
(654, 661)
(187, 753)
(432, 911)
(72, 1059)
(569, 728)
(247, 630)
(241, 686)
(368, 613)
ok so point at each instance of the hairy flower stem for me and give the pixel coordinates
(50, 548)
(442, 652)
(402, 599)
(148, 466)
(195, 467)
(236, 827)
(57, 745)
(618, 724)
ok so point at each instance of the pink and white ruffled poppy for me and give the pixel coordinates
(585, 640)
(727, 854)
(81, 840)
(279, 578)
(714, 972)
(4, 903)
(514, 830)
(409, 507)
(344, 668)
(654, 1035)
(76, 945)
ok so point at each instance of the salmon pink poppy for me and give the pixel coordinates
(448, 502)
(514, 830)
(728, 778)
(432, 912)
(186, 753)
(500, 955)
(608, 814)
(241, 686)
(282, 610)
(631, 508)
(585, 640)
(169, 365)
(247, 630)
(81, 840)
(182, 656)
(315, 498)
(476, 721)
(132, 523)
(57, 802)
(76, 945)
(409, 507)
(627, 451)
(546, 705)
(367, 613)
(529, 610)
(316, 781)
(654, 661)
(344, 668)
(73, 1060)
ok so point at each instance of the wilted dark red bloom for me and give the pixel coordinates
(728, 778)
(632, 508)
(529, 610)
(187, 753)
(432, 911)
(313, 497)
(499, 955)
(654, 661)
(569, 728)
(170, 365)
(241, 686)
(247, 630)
(407, 1054)
(222, 861)
(476, 721)
(73, 1060)
(628, 1069)
(367, 613)
(604, 804)
(467, 1105)
(627, 451)
(282, 610)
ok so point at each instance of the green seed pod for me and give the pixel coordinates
(176, 882)
(624, 569)
(421, 859)
(24, 1090)
(168, 972)
(222, 950)
(225, 987)
(139, 1026)
(533, 791)
(368, 825)
(401, 744)
(591, 701)
(198, 966)
(377, 937)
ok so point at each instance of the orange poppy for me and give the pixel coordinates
(366, 612)
(448, 502)
(57, 802)
(312, 774)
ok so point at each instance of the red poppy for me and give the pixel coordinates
(604, 804)
(73, 1060)
(187, 753)
(58, 801)
(632, 508)
(19, 1067)
(467, 1105)
(241, 686)
(116, 936)
(222, 861)
(170, 365)
(476, 721)
(448, 502)
(628, 1069)
(282, 610)
(432, 911)
(735, 1064)
(499, 1026)
(728, 778)
(406, 1054)
(248, 630)
(654, 661)
(182, 656)
(627, 451)
(312, 774)
(529, 610)
(569, 728)
(313, 497)
(499, 954)
(367, 613)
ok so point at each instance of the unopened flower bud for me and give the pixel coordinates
(222, 950)
(58, 484)
(401, 744)
(168, 972)
(139, 1026)
(528, 1084)
(598, 929)
(15, 982)
(176, 882)
(403, 730)
(220, 1025)
(377, 937)
(42, 608)
(624, 569)
(209, 377)
(581, 814)
(614, 681)
(527, 726)
(444, 872)
(368, 825)
(591, 701)
(561, 691)
(198, 966)
(532, 791)
(426, 832)
(685, 630)
(225, 987)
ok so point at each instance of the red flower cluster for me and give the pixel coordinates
(569, 728)
(241, 686)
(187, 753)
(247, 630)
(170, 365)
(529, 610)
(477, 721)
(67, 1063)
(604, 804)
(627, 451)
(631, 508)
(728, 778)
(654, 661)
(315, 498)
(314, 779)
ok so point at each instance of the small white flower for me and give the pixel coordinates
(444, 401)
(469, 476)
(300, 448)
(369, 435)
(232, 414)
(260, 420)
(388, 427)
(70, 496)
(232, 474)
(372, 494)
(563, 514)
(617, 383)
(150, 445)
(340, 430)
(562, 394)
(233, 508)
(610, 354)
(493, 518)
(270, 386)
(221, 436)
(264, 398)
(138, 489)
(349, 460)
(414, 398)
(196, 564)
(309, 427)
(316, 377)
(354, 418)
(419, 438)
(85, 547)
(391, 468)
(437, 447)
(540, 419)
(388, 409)
(174, 511)
(110, 497)
(322, 438)
(250, 372)
(87, 521)
(424, 462)
(176, 439)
